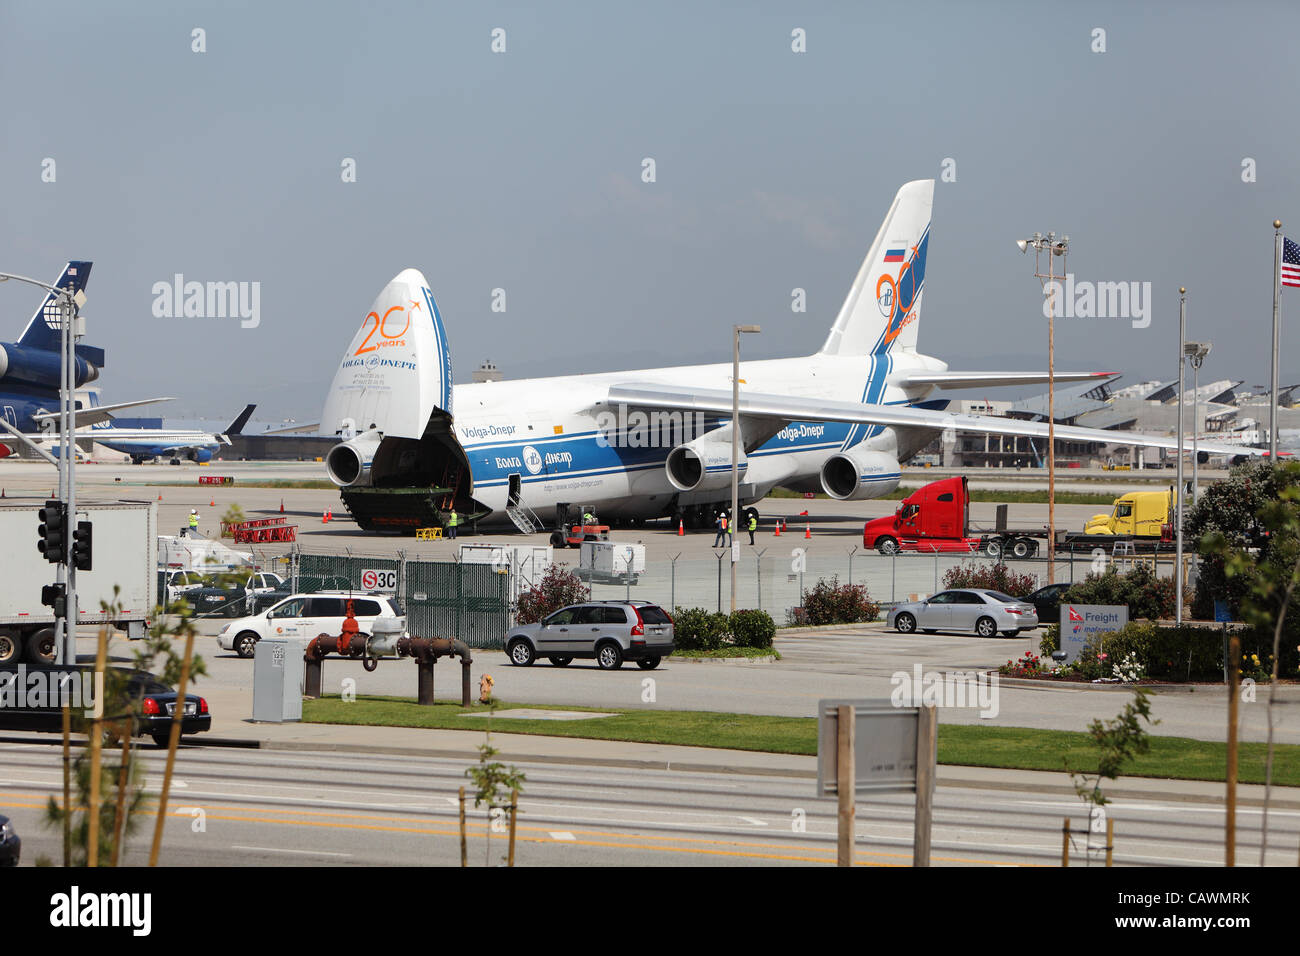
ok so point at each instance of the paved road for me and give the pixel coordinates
(269, 808)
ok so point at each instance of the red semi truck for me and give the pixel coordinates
(935, 519)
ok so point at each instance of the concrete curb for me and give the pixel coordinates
(1035, 684)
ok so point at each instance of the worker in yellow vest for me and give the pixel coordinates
(753, 526)
(453, 521)
(194, 523)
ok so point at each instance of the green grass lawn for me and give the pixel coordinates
(973, 746)
(724, 652)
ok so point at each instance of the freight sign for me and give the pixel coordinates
(1084, 624)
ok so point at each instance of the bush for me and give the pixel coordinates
(1139, 589)
(695, 629)
(830, 602)
(994, 577)
(559, 588)
(1050, 640)
(752, 628)
(1028, 666)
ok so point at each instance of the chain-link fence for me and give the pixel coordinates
(774, 578)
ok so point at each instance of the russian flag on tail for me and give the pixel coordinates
(895, 255)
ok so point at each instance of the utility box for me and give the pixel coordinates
(277, 681)
(612, 561)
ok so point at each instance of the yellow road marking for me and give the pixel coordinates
(608, 839)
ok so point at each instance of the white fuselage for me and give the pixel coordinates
(546, 437)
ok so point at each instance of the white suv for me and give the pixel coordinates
(303, 616)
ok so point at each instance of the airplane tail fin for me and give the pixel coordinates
(42, 331)
(883, 309)
(237, 426)
(397, 369)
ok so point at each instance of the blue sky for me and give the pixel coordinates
(521, 171)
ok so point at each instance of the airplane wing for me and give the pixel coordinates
(95, 414)
(794, 409)
(992, 379)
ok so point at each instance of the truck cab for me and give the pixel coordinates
(936, 514)
(1140, 514)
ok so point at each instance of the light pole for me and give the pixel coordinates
(1277, 291)
(69, 306)
(1053, 247)
(1196, 352)
(736, 331)
(1178, 490)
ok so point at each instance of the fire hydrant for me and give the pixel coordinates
(485, 689)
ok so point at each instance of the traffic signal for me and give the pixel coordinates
(81, 546)
(55, 596)
(53, 531)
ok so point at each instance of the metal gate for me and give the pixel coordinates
(441, 598)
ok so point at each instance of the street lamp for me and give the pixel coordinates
(1178, 491)
(1195, 353)
(1054, 247)
(69, 304)
(736, 331)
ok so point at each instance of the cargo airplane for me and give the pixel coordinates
(657, 442)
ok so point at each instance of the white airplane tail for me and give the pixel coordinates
(397, 369)
(883, 309)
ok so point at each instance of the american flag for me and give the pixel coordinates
(1290, 263)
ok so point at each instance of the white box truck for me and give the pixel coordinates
(612, 561)
(124, 553)
(526, 563)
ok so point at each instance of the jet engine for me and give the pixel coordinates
(856, 474)
(704, 464)
(349, 463)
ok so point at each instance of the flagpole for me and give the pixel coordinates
(1277, 289)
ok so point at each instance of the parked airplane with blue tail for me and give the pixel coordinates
(657, 442)
(30, 375)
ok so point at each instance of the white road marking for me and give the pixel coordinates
(562, 835)
(276, 849)
(755, 821)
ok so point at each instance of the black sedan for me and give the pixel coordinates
(11, 848)
(36, 705)
(1048, 602)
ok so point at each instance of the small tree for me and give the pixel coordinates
(121, 796)
(559, 588)
(1267, 579)
(497, 785)
(1118, 741)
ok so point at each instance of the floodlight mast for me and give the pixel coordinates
(67, 307)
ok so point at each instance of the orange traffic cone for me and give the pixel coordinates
(281, 506)
(808, 533)
(160, 497)
(325, 517)
(681, 527)
(212, 503)
(777, 533)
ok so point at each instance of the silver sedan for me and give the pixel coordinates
(970, 610)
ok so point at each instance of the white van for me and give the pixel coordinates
(304, 616)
